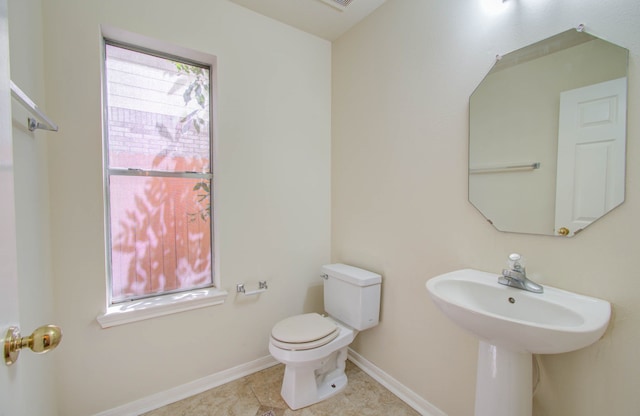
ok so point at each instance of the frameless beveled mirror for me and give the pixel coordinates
(547, 135)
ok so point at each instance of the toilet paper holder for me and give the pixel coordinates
(262, 287)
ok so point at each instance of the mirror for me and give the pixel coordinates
(547, 134)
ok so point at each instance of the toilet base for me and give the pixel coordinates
(305, 385)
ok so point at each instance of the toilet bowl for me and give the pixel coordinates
(313, 374)
(313, 347)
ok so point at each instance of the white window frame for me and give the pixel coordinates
(136, 310)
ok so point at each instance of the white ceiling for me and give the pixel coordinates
(314, 16)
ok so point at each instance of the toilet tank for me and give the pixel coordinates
(352, 295)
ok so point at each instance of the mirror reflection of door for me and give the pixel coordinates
(591, 153)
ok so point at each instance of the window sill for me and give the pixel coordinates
(139, 310)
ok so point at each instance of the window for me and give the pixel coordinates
(158, 175)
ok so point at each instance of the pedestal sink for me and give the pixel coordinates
(512, 324)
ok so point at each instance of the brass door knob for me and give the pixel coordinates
(43, 339)
(563, 231)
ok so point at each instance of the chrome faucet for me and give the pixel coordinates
(516, 276)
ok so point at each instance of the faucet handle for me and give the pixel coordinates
(516, 262)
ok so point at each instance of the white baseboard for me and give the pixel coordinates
(419, 404)
(155, 401)
(175, 394)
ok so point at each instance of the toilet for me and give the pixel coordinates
(313, 347)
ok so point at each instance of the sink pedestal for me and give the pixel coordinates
(504, 384)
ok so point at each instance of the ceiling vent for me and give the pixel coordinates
(338, 4)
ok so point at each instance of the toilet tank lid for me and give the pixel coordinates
(350, 274)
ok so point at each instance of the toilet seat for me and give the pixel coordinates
(304, 332)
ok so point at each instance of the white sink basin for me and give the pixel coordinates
(552, 322)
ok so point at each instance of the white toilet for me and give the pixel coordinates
(314, 348)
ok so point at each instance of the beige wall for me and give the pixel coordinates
(273, 190)
(401, 84)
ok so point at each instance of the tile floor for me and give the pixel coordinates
(259, 395)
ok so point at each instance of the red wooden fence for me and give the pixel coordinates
(161, 233)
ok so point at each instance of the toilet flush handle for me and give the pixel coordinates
(325, 276)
